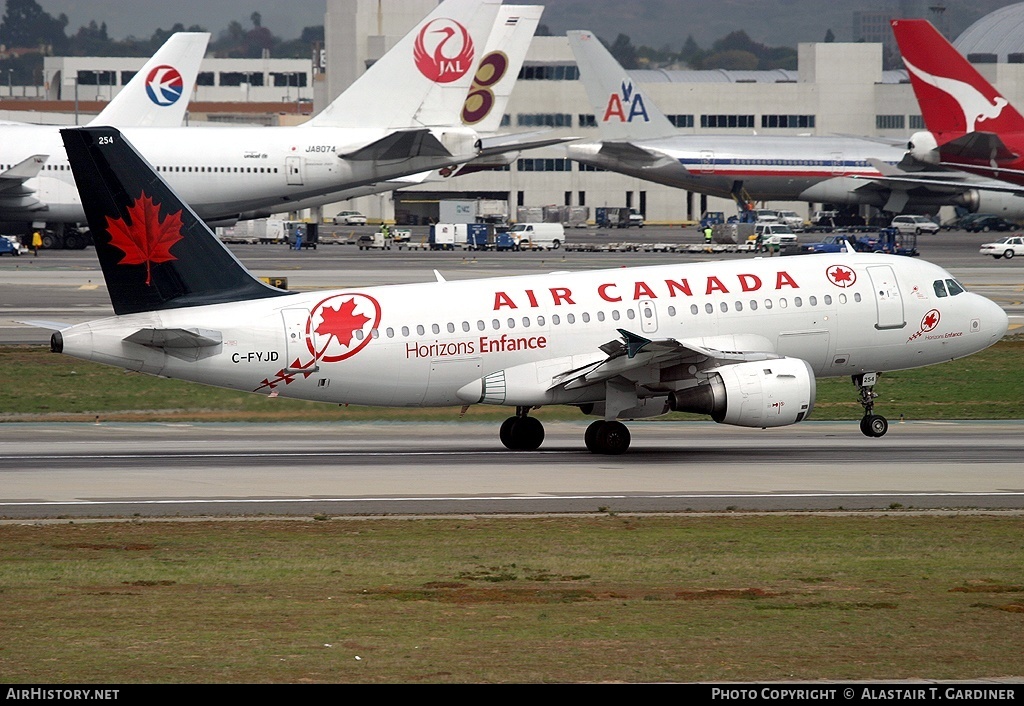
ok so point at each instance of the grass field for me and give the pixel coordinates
(47, 387)
(594, 598)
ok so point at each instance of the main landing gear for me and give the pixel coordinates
(521, 432)
(873, 425)
(526, 433)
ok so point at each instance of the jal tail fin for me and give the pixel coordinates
(954, 98)
(423, 80)
(155, 252)
(158, 95)
(623, 111)
(499, 66)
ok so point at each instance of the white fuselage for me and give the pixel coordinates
(224, 172)
(419, 344)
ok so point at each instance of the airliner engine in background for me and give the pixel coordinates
(971, 126)
(401, 117)
(740, 341)
(638, 140)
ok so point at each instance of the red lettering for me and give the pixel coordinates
(532, 298)
(750, 283)
(602, 292)
(501, 299)
(784, 280)
(561, 295)
(614, 109)
(682, 286)
(640, 289)
(715, 285)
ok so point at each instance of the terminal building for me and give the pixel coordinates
(837, 89)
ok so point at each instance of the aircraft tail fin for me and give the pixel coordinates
(158, 95)
(623, 111)
(155, 252)
(428, 73)
(954, 98)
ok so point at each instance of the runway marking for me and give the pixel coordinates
(477, 498)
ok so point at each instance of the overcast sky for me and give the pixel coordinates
(140, 18)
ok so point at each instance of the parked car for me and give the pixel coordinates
(350, 218)
(766, 215)
(984, 224)
(9, 246)
(914, 224)
(1006, 247)
(792, 219)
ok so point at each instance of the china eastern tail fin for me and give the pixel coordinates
(158, 95)
(155, 252)
(954, 98)
(622, 109)
(423, 80)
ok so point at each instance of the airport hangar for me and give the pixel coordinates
(837, 89)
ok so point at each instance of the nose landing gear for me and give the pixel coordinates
(873, 425)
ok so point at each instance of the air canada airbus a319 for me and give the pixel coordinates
(741, 341)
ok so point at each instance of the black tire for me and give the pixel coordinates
(876, 425)
(527, 434)
(612, 438)
(590, 437)
(556, 244)
(71, 242)
(505, 432)
(1008, 254)
(48, 241)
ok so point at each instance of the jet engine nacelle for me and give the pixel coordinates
(767, 393)
(924, 147)
(1009, 206)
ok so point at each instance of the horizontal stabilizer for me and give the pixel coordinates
(939, 182)
(51, 325)
(405, 144)
(500, 144)
(977, 146)
(189, 344)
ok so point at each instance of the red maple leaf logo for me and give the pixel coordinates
(147, 239)
(341, 323)
(841, 276)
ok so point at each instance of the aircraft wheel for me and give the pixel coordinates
(612, 438)
(874, 425)
(590, 437)
(505, 432)
(527, 434)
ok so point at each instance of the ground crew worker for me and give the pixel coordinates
(708, 230)
(37, 242)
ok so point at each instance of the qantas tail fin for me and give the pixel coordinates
(623, 111)
(954, 98)
(158, 95)
(155, 252)
(424, 79)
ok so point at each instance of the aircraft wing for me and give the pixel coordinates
(401, 144)
(985, 147)
(946, 182)
(14, 195)
(633, 155)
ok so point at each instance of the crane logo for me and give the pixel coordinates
(443, 51)
(164, 85)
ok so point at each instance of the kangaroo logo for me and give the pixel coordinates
(618, 103)
(164, 85)
(975, 106)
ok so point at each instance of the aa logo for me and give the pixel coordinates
(626, 106)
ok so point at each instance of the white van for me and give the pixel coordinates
(538, 236)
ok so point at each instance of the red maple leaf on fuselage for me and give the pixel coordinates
(341, 323)
(147, 239)
(841, 275)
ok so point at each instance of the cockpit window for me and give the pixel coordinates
(940, 288)
(954, 287)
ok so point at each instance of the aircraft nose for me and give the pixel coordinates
(994, 320)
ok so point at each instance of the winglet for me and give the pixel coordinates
(953, 96)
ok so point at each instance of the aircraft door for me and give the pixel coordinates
(838, 169)
(293, 169)
(296, 322)
(707, 161)
(648, 316)
(888, 299)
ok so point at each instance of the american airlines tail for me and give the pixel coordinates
(158, 95)
(155, 252)
(954, 98)
(623, 111)
(427, 74)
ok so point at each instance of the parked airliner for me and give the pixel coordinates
(402, 116)
(970, 125)
(638, 140)
(32, 156)
(741, 341)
